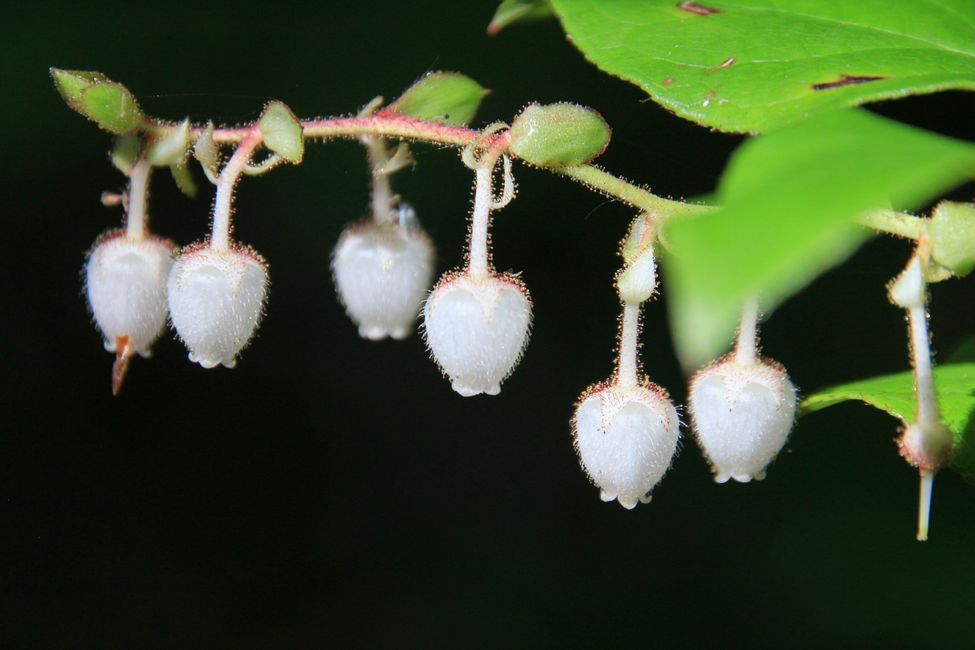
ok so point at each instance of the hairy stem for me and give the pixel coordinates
(387, 124)
(479, 263)
(220, 237)
(605, 183)
(136, 217)
(928, 412)
(626, 369)
(382, 190)
(745, 351)
(890, 222)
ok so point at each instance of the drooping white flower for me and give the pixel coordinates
(382, 272)
(742, 414)
(626, 438)
(216, 298)
(476, 328)
(125, 281)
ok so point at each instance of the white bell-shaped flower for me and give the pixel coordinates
(382, 272)
(125, 280)
(216, 298)
(742, 414)
(626, 438)
(476, 328)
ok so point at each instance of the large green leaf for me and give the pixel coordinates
(790, 197)
(751, 65)
(954, 383)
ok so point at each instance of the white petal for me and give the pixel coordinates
(742, 415)
(626, 439)
(216, 299)
(477, 329)
(125, 281)
(382, 273)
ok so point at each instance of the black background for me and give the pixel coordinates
(331, 492)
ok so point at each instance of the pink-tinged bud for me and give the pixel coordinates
(382, 272)
(125, 280)
(626, 438)
(927, 448)
(742, 414)
(476, 328)
(216, 298)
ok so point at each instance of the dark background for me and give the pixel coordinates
(331, 492)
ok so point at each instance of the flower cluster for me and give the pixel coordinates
(626, 429)
(476, 321)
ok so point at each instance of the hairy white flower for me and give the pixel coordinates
(125, 280)
(742, 414)
(476, 328)
(216, 298)
(382, 272)
(626, 438)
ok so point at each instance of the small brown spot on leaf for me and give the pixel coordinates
(695, 8)
(846, 80)
(727, 63)
(667, 81)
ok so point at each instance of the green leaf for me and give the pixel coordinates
(71, 83)
(790, 197)
(111, 106)
(894, 394)
(952, 235)
(126, 152)
(446, 97)
(558, 135)
(516, 11)
(183, 178)
(171, 148)
(752, 66)
(282, 132)
(205, 150)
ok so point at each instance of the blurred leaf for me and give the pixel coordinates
(557, 135)
(184, 178)
(126, 152)
(112, 106)
(894, 394)
(205, 150)
(758, 65)
(516, 11)
(789, 198)
(282, 132)
(171, 148)
(446, 97)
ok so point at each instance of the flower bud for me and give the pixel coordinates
(125, 280)
(926, 447)
(382, 272)
(476, 328)
(742, 414)
(625, 438)
(216, 298)
(637, 280)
